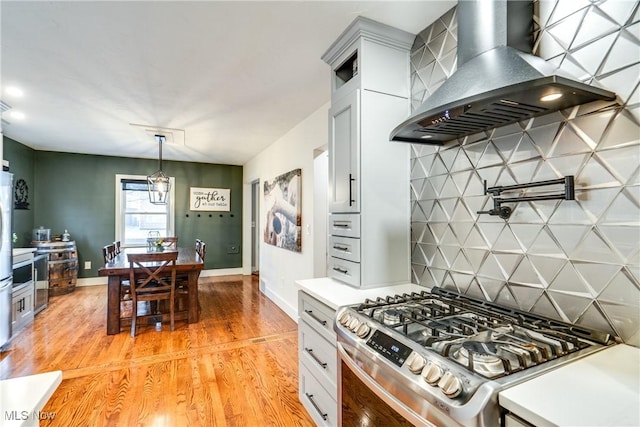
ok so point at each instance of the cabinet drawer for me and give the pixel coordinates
(511, 420)
(344, 247)
(346, 225)
(345, 271)
(317, 401)
(319, 355)
(317, 315)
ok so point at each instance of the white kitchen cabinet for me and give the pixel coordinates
(317, 356)
(369, 175)
(511, 420)
(318, 301)
(344, 149)
(23, 292)
(22, 308)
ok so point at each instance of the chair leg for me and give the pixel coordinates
(134, 315)
(172, 310)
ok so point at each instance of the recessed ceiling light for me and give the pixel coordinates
(17, 115)
(551, 97)
(14, 91)
(426, 136)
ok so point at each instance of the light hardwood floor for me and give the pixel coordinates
(237, 367)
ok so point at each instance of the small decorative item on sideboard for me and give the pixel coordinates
(42, 234)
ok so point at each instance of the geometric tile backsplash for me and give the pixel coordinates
(579, 260)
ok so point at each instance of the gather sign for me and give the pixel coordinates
(210, 199)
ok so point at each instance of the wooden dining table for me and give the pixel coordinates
(188, 262)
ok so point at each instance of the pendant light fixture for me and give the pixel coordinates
(159, 184)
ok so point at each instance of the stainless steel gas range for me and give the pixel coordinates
(441, 358)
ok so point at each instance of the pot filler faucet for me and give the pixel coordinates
(504, 212)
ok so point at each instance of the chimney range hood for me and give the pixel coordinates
(498, 80)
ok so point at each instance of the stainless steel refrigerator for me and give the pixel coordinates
(6, 268)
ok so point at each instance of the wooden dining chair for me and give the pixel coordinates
(201, 248)
(117, 245)
(109, 253)
(182, 281)
(155, 281)
(170, 242)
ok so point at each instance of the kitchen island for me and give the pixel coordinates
(22, 398)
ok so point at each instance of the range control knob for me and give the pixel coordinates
(353, 324)
(344, 318)
(450, 385)
(363, 330)
(432, 373)
(416, 363)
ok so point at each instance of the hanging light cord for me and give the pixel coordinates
(160, 139)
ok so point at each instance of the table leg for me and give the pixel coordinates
(113, 305)
(193, 296)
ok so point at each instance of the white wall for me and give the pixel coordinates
(280, 268)
(320, 209)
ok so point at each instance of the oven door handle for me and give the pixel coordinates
(411, 416)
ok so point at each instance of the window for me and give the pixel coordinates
(136, 216)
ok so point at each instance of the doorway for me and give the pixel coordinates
(255, 238)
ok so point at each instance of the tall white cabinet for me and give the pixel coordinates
(369, 209)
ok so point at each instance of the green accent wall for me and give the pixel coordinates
(77, 192)
(22, 164)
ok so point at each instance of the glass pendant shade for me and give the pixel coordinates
(158, 183)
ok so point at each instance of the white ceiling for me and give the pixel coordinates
(230, 76)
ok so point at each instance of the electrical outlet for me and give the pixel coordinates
(87, 265)
(233, 249)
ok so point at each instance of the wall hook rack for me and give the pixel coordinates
(504, 212)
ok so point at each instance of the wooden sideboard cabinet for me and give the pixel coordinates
(63, 265)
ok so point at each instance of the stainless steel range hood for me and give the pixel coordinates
(498, 80)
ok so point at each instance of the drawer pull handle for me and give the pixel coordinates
(315, 405)
(340, 248)
(341, 270)
(316, 318)
(318, 361)
(342, 224)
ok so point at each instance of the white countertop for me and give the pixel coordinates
(22, 251)
(335, 294)
(22, 398)
(602, 389)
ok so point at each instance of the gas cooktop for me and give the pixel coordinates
(455, 350)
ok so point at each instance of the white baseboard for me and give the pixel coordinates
(292, 312)
(221, 272)
(91, 281)
(102, 280)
